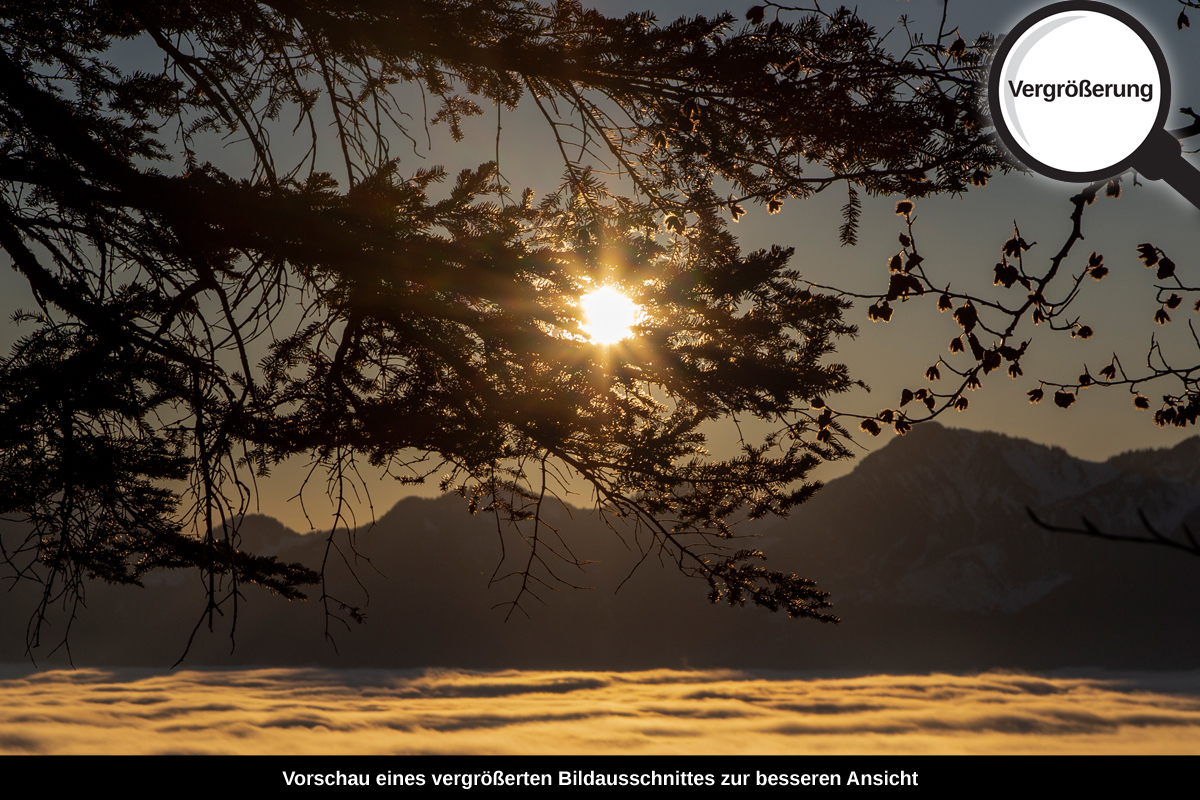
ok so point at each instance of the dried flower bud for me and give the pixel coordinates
(1006, 275)
(966, 316)
(1148, 253)
(881, 310)
(991, 361)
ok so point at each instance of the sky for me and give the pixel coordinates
(347, 711)
(960, 238)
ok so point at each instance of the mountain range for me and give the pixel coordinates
(926, 547)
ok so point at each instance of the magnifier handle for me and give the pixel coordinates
(1186, 181)
(1161, 158)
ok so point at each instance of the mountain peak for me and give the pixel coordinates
(933, 459)
(1181, 462)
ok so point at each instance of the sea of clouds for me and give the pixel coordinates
(286, 711)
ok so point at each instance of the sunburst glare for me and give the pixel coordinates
(608, 315)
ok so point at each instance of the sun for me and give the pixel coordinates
(608, 315)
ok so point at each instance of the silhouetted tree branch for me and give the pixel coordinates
(991, 334)
(1034, 292)
(991, 327)
(1191, 546)
(196, 325)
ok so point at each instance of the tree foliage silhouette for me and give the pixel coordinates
(994, 331)
(196, 325)
(1042, 289)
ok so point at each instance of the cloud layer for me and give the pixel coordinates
(286, 711)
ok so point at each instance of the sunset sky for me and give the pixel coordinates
(709, 710)
(960, 238)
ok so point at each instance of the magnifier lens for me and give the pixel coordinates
(1080, 91)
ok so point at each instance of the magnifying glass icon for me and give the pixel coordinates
(1079, 91)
